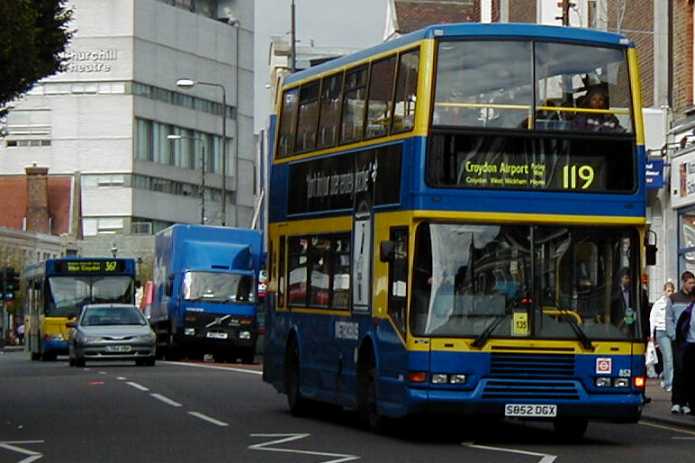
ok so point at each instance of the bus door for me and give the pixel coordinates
(391, 335)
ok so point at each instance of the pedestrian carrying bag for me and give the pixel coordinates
(650, 357)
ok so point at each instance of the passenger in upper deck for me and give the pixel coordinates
(596, 97)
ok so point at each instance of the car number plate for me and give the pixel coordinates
(216, 335)
(118, 348)
(531, 410)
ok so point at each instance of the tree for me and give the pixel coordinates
(33, 37)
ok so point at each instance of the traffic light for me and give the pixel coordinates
(10, 283)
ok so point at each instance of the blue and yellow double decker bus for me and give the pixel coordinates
(57, 289)
(457, 224)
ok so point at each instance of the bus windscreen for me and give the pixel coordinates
(532, 85)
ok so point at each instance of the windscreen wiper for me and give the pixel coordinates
(482, 339)
(581, 335)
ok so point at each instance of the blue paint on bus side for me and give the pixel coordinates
(416, 194)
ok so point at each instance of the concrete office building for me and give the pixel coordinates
(107, 116)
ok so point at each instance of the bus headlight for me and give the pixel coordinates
(621, 382)
(189, 331)
(603, 382)
(439, 379)
(457, 379)
(244, 335)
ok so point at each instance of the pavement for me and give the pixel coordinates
(659, 409)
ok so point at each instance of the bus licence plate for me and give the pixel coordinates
(216, 335)
(118, 348)
(531, 410)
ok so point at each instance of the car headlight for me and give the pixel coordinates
(145, 338)
(89, 339)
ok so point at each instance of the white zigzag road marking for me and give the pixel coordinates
(31, 455)
(545, 458)
(266, 447)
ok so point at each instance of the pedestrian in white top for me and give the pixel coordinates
(657, 333)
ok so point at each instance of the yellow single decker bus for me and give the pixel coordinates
(57, 289)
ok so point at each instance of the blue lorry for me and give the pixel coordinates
(205, 291)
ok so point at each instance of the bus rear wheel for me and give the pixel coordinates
(297, 404)
(571, 429)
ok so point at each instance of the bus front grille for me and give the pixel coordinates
(551, 390)
(532, 366)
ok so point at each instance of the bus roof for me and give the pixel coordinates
(463, 30)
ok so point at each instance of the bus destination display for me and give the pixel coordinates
(522, 163)
(580, 174)
(90, 266)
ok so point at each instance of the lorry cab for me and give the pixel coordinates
(209, 295)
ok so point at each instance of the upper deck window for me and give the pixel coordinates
(406, 91)
(354, 98)
(329, 122)
(308, 117)
(288, 122)
(489, 84)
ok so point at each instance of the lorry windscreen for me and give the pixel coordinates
(221, 287)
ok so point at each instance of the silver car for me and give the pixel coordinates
(112, 332)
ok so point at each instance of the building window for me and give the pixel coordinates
(143, 140)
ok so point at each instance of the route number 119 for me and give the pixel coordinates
(572, 174)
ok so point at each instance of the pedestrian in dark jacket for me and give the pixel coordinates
(678, 319)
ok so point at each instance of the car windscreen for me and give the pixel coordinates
(109, 316)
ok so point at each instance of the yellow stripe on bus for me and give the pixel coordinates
(633, 64)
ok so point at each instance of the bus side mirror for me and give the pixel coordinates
(386, 250)
(651, 254)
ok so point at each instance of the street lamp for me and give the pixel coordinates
(202, 171)
(188, 84)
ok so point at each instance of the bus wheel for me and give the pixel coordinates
(297, 404)
(571, 429)
(369, 413)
